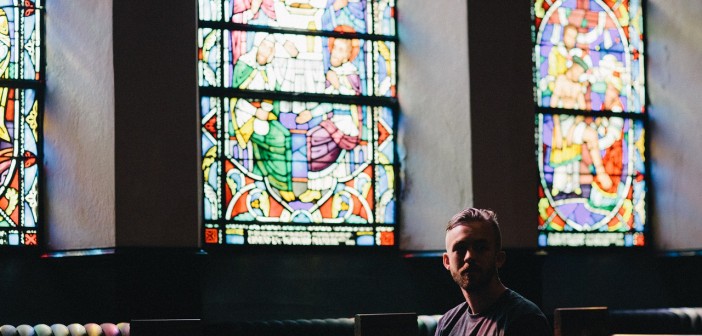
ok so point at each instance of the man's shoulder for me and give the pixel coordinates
(523, 317)
(456, 311)
(451, 318)
(516, 303)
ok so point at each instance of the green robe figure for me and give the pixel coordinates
(258, 121)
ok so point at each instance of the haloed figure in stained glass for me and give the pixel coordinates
(342, 76)
(257, 121)
(340, 131)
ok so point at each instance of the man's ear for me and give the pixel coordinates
(500, 258)
(447, 265)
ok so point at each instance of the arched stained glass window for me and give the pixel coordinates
(298, 102)
(589, 85)
(21, 91)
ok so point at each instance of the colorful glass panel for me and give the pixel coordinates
(210, 10)
(592, 180)
(211, 110)
(297, 115)
(589, 55)
(307, 15)
(384, 18)
(20, 119)
(590, 100)
(301, 166)
(385, 69)
(296, 63)
(210, 57)
(331, 170)
(20, 40)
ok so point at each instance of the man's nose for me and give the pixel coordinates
(468, 256)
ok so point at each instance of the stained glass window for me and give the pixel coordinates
(298, 102)
(21, 90)
(589, 85)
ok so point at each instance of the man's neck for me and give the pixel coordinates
(481, 300)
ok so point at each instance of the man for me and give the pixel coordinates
(473, 255)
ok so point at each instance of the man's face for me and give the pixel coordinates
(472, 256)
(265, 50)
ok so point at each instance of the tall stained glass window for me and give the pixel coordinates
(589, 85)
(298, 106)
(21, 91)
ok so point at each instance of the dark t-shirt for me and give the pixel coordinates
(511, 315)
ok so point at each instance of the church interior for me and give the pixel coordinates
(121, 198)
